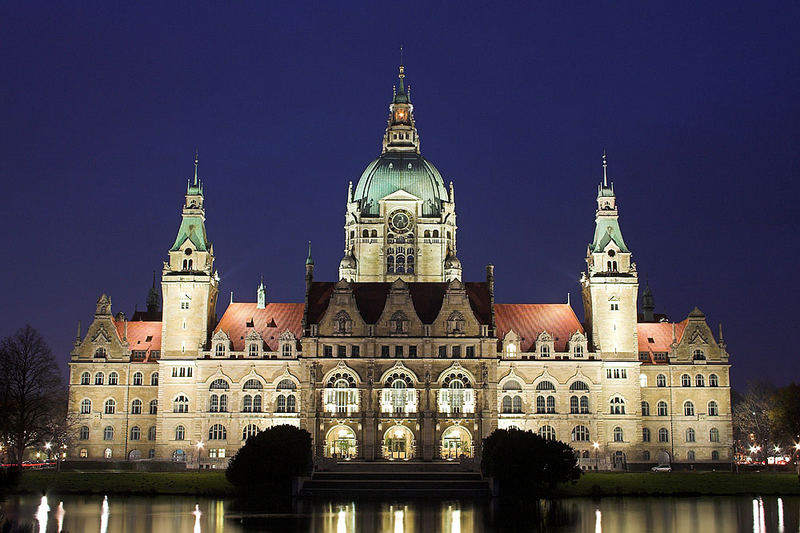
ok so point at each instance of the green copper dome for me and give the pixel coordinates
(394, 171)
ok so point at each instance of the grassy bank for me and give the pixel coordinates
(215, 484)
(681, 483)
(200, 483)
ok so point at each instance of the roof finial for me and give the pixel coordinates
(605, 170)
(196, 160)
(309, 260)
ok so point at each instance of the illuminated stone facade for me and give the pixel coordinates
(400, 358)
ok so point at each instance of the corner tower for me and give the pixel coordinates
(610, 284)
(189, 283)
(400, 220)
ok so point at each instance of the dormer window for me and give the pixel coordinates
(398, 323)
(456, 323)
(100, 352)
(544, 351)
(220, 350)
(699, 355)
(511, 350)
(342, 323)
(253, 350)
(578, 351)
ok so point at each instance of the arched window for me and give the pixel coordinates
(580, 434)
(547, 432)
(690, 455)
(713, 380)
(113, 378)
(690, 435)
(699, 355)
(713, 435)
(180, 433)
(390, 264)
(399, 322)
(342, 323)
(252, 384)
(151, 433)
(247, 404)
(688, 408)
(551, 404)
(99, 378)
(544, 351)
(618, 435)
(373, 234)
(540, 405)
(663, 435)
(136, 407)
(713, 408)
(516, 406)
(154, 379)
(715, 455)
(153, 407)
(511, 349)
(181, 404)
(427, 234)
(281, 407)
(286, 385)
(578, 385)
(217, 432)
(137, 378)
(86, 378)
(506, 404)
(574, 405)
(110, 407)
(365, 233)
(578, 351)
(646, 455)
(84, 433)
(645, 409)
(584, 405)
(662, 408)
(456, 395)
(617, 406)
(661, 380)
(256, 403)
(436, 234)
(179, 456)
(645, 435)
(108, 433)
(545, 386)
(220, 350)
(291, 404)
(251, 429)
(643, 380)
(219, 384)
(686, 380)
(699, 381)
(136, 433)
(86, 406)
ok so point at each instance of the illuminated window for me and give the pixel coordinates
(138, 378)
(86, 406)
(580, 434)
(110, 407)
(180, 433)
(86, 378)
(136, 407)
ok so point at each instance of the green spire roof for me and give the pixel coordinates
(309, 260)
(400, 96)
(607, 230)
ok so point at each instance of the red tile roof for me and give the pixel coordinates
(661, 333)
(142, 335)
(371, 299)
(529, 320)
(269, 322)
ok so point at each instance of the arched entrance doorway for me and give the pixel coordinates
(663, 458)
(341, 443)
(398, 443)
(134, 455)
(456, 443)
(620, 461)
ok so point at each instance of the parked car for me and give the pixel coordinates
(662, 468)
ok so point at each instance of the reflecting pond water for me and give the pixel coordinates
(137, 514)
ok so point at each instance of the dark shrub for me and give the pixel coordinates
(271, 458)
(525, 465)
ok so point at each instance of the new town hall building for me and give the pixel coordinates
(400, 358)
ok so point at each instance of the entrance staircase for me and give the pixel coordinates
(406, 479)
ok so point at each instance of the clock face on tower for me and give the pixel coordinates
(400, 221)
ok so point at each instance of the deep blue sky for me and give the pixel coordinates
(102, 107)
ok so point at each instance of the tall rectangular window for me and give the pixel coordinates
(398, 351)
(442, 352)
(384, 351)
(470, 352)
(412, 351)
(341, 351)
(457, 352)
(327, 351)
(355, 351)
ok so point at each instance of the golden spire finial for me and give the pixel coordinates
(402, 68)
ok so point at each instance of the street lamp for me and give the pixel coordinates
(596, 446)
(47, 447)
(199, 446)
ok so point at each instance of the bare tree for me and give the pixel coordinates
(753, 417)
(29, 390)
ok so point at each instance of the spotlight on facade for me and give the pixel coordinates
(199, 445)
(47, 445)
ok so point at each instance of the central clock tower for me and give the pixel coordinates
(400, 221)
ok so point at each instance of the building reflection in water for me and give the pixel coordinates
(598, 521)
(197, 515)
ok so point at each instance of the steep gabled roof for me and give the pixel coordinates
(142, 335)
(242, 317)
(660, 333)
(529, 320)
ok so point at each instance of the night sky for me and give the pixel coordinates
(697, 104)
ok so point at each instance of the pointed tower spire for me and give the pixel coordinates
(605, 170)
(262, 295)
(309, 259)
(196, 161)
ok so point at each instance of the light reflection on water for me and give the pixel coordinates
(129, 514)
